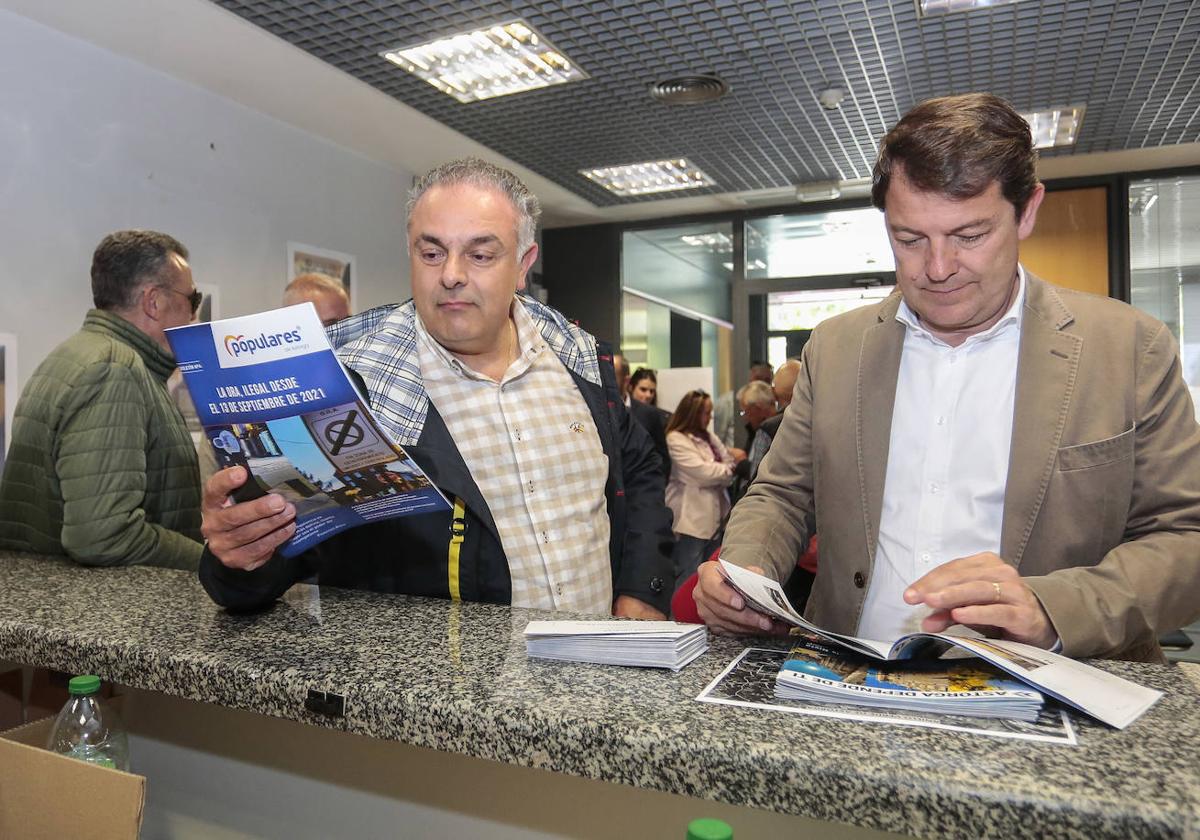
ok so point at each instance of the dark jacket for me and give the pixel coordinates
(654, 421)
(410, 554)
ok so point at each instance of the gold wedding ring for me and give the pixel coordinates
(996, 587)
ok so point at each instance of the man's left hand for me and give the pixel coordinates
(986, 594)
(626, 606)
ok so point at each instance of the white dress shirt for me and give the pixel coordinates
(943, 495)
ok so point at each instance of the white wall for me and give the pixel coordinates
(91, 142)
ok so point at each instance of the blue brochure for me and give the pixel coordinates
(273, 398)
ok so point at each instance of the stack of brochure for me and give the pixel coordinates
(646, 644)
(824, 673)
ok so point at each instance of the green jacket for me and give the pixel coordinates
(101, 467)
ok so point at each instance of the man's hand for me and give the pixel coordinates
(724, 610)
(626, 606)
(738, 455)
(246, 534)
(986, 594)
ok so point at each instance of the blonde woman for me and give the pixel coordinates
(701, 471)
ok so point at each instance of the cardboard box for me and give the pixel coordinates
(46, 796)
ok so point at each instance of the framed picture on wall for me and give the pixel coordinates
(306, 259)
(8, 390)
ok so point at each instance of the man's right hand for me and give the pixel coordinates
(724, 610)
(243, 535)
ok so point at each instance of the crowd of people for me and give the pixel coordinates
(980, 449)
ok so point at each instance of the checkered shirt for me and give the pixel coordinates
(380, 345)
(533, 449)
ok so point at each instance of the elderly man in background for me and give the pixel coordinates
(101, 467)
(326, 294)
(512, 411)
(981, 449)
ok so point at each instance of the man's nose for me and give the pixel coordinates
(453, 271)
(942, 261)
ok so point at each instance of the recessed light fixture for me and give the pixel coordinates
(1055, 127)
(929, 8)
(497, 60)
(656, 176)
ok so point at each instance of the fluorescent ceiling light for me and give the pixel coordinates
(715, 242)
(656, 176)
(1055, 127)
(493, 61)
(928, 8)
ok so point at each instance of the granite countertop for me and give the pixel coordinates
(455, 677)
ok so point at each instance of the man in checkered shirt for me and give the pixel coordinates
(511, 410)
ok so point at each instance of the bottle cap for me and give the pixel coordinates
(86, 684)
(709, 829)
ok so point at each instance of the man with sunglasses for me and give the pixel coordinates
(101, 467)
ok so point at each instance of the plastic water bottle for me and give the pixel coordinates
(88, 730)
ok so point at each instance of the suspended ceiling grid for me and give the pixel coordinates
(1133, 64)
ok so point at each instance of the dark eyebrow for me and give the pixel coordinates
(483, 239)
(966, 226)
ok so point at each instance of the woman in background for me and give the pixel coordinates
(643, 386)
(701, 471)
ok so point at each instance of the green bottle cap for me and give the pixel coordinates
(709, 829)
(87, 684)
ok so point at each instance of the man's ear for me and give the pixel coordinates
(527, 262)
(1029, 214)
(150, 301)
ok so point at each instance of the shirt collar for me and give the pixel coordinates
(1011, 318)
(529, 344)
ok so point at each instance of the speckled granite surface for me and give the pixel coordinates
(456, 678)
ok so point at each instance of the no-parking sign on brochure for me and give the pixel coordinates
(273, 398)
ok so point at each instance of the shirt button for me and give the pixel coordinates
(529, 485)
(953, 358)
(656, 585)
(934, 489)
(860, 580)
(545, 538)
(925, 556)
(941, 421)
(558, 587)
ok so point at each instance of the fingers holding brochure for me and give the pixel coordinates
(243, 535)
(724, 610)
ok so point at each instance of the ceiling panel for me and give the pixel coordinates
(1133, 64)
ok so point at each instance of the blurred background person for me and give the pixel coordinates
(701, 471)
(725, 409)
(653, 420)
(643, 386)
(326, 294)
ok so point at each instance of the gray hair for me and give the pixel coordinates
(756, 393)
(480, 173)
(303, 286)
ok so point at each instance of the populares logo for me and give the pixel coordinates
(236, 345)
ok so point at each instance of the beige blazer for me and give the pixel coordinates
(1102, 508)
(697, 493)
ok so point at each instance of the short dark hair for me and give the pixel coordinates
(958, 145)
(761, 371)
(124, 260)
(686, 418)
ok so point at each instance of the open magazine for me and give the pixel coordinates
(273, 398)
(1104, 696)
(828, 673)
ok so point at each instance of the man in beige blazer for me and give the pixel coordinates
(1094, 544)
